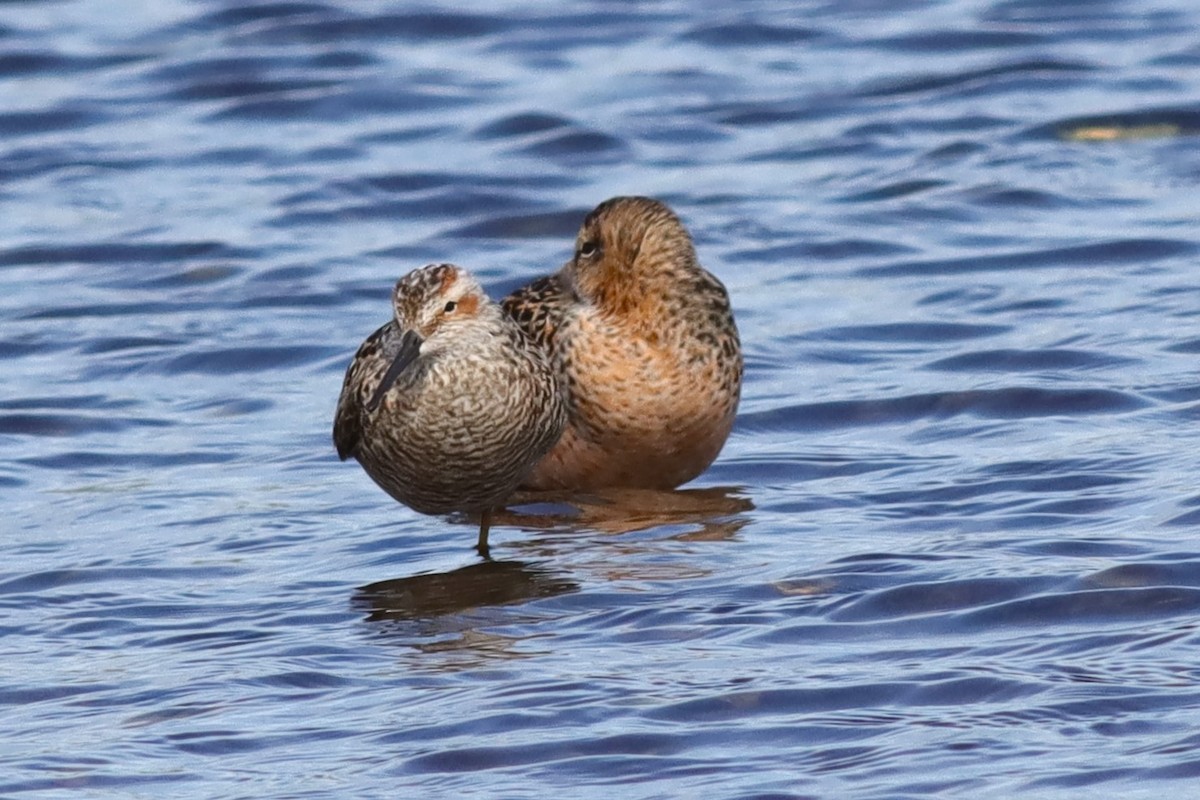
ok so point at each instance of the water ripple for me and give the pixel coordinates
(1006, 403)
(1137, 251)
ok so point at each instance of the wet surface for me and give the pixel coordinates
(950, 548)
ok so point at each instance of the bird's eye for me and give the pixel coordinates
(450, 307)
(588, 249)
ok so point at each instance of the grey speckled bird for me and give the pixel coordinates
(448, 406)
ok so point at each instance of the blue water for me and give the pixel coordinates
(950, 550)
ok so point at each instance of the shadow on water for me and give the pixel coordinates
(487, 583)
(463, 618)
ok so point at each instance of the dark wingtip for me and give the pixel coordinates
(346, 435)
(348, 418)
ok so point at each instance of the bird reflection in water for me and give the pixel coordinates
(715, 513)
(710, 514)
(467, 615)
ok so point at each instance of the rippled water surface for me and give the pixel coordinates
(951, 548)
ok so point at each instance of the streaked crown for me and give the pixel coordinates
(435, 295)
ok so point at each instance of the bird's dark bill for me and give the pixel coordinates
(410, 348)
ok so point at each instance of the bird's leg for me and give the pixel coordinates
(485, 522)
